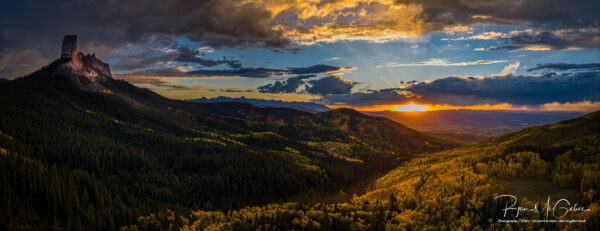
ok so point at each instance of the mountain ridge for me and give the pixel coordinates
(305, 106)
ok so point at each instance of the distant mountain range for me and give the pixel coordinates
(475, 124)
(468, 125)
(3, 80)
(304, 106)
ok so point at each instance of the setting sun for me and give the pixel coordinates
(411, 107)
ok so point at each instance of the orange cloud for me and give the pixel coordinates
(330, 21)
(584, 106)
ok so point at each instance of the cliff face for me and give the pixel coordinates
(87, 66)
(76, 65)
(69, 46)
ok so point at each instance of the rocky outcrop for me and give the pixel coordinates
(76, 65)
(87, 66)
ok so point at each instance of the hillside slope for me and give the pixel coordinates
(452, 190)
(83, 153)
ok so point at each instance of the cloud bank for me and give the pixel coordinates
(566, 66)
(328, 85)
(443, 62)
(287, 86)
(548, 39)
(466, 91)
(36, 26)
(258, 72)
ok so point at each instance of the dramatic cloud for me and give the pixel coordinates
(442, 62)
(288, 86)
(545, 40)
(465, 91)
(556, 39)
(258, 72)
(320, 68)
(283, 25)
(566, 66)
(384, 20)
(147, 58)
(193, 56)
(330, 85)
(105, 27)
(229, 23)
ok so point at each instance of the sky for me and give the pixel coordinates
(366, 54)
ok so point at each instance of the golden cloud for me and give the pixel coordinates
(312, 21)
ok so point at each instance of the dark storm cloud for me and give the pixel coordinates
(320, 68)
(244, 24)
(104, 26)
(463, 91)
(556, 24)
(138, 61)
(150, 58)
(261, 72)
(330, 85)
(216, 23)
(544, 40)
(32, 29)
(566, 66)
(557, 39)
(315, 69)
(370, 97)
(287, 86)
(538, 13)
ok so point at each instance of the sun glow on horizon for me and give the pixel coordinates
(583, 106)
(411, 107)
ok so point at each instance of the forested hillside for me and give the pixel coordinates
(448, 190)
(85, 160)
